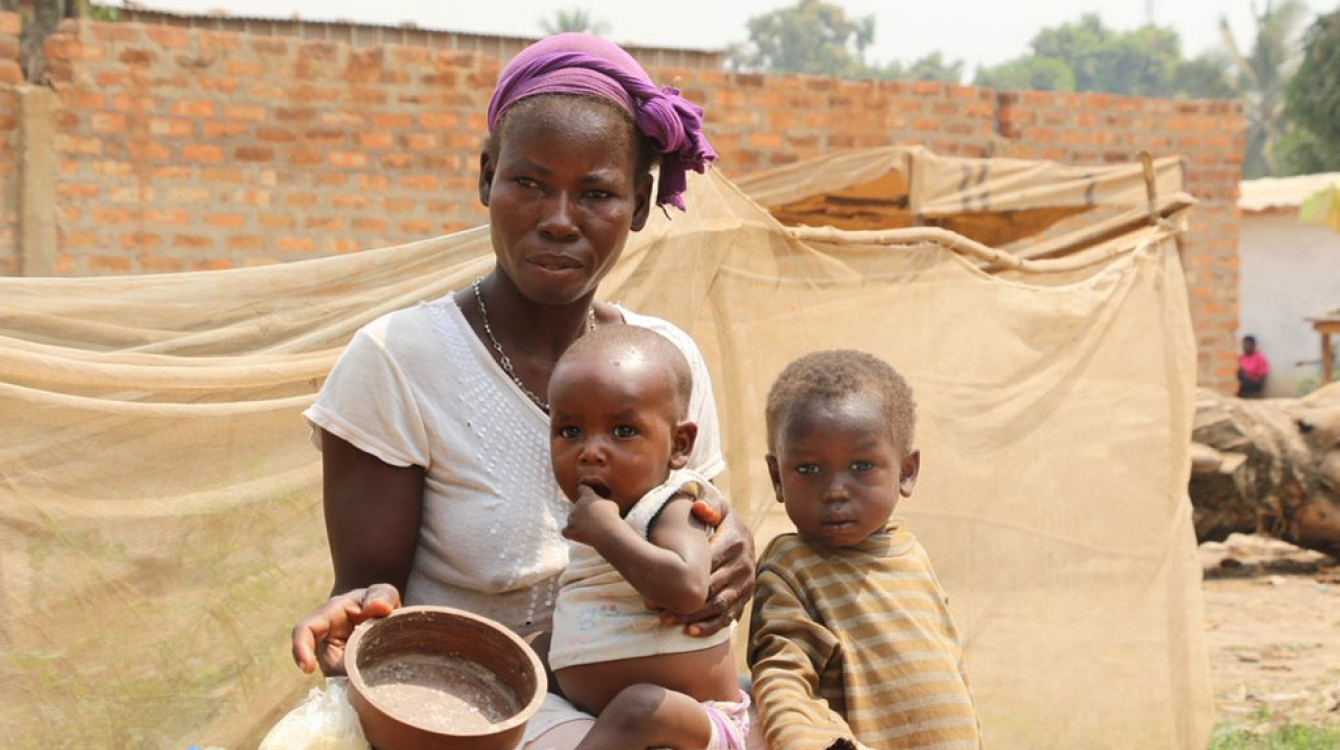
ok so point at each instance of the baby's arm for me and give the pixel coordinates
(671, 567)
(788, 651)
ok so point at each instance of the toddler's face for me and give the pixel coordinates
(615, 428)
(839, 469)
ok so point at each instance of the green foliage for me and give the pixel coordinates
(576, 19)
(1031, 72)
(1261, 75)
(809, 37)
(1139, 62)
(1292, 737)
(1089, 56)
(1312, 103)
(932, 67)
(1203, 77)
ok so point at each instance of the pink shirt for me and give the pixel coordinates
(1254, 366)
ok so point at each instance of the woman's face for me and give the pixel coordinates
(563, 192)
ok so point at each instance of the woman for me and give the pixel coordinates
(433, 424)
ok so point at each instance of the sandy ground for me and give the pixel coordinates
(1272, 617)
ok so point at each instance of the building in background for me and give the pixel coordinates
(1290, 273)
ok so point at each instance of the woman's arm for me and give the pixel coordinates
(373, 511)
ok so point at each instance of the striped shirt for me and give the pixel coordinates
(854, 647)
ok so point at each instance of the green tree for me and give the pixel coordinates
(1203, 77)
(1262, 74)
(932, 67)
(1139, 62)
(1087, 55)
(809, 37)
(1312, 102)
(576, 19)
(1030, 72)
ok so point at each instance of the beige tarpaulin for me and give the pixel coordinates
(994, 201)
(160, 526)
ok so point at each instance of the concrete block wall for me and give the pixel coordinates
(180, 149)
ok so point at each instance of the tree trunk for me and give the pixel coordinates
(1269, 466)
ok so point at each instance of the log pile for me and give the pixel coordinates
(1269, 466)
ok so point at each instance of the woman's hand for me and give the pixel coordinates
(732, 581)
(319, 638)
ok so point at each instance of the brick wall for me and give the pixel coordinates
(10, 77)
(1095, 128)
(188, 148)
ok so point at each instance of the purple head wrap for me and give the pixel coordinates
(590, 66)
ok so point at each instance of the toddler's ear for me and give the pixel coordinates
(683, 437)
(907, 472)
(775, 473)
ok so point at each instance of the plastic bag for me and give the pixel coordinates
(324, 721)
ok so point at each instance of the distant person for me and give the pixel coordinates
(851, 644)
(1252, 370)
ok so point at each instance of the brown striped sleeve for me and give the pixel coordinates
(788, 651)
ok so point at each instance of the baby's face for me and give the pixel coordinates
(614, 427)
(840, 470)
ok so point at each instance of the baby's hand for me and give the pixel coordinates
(590, 515)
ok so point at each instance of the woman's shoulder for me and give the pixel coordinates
(421, 318)
(414, 330)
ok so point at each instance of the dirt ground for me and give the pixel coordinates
(1272, 617)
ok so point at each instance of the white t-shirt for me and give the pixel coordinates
(418, 388)
(600, 616)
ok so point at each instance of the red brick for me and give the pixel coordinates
(379, 139)
(324, 223)
(304, 157)
(348, 159)
(277, 221)
(247, 242)
(369, 224)
(192, 242)
(296, 244)
(225, 129)
(11, 24)
(254, 153)
(141, 240)
(107, 122)
(161, 264)
(202, 152)
(138, 57)
(168, 36)
(251, 112)
(275, 135)
(227, 220)
(115, 263)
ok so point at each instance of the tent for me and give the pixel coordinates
(160, 525)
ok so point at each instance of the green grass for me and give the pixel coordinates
(1292, 737)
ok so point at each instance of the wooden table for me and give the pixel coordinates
(1326, 326)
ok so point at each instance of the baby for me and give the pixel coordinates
(620, 441)
(850, 642)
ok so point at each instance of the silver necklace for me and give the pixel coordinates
(506, 361)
